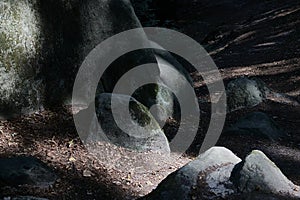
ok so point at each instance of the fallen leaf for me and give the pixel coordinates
(72, 159)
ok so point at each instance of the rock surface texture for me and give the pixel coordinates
(259, 125)
(140, 131)
(40, 55)
(219, 174)
(259, 173)
(20, 55)
(245, 93)
(208, 168)
(17, 171)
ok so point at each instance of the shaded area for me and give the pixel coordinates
(285, 153)
(245, 38)
(51, 137)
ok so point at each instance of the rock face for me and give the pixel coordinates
(84, 25)
(211, 169)
(141, 132)
(25, 171)
(258, 173)
(40, 55)
(260, 196)
(174, 78)
(21, 44)
(257, 124)
(145, 12)
(88, 24)
(244, 93)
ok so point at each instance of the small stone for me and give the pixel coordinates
(87, 173)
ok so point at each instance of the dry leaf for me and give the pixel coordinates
(72, 159)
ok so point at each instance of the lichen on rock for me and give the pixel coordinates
(20, 41)
(244, 93)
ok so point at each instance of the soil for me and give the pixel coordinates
(253, 38)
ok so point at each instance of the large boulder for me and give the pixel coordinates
(20, 55)
(145, 10)
(257, 124)
(140, 131)
(22, 170)
(244, 93)
(211, 169)
(40, 55)
(259, 173)
(173, 78)
(84, 25)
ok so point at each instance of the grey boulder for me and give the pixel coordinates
(257, 124)
(40, 55)
(259, 174)
(139, 131)
(211, 169)
(22, 170)
(245, 93)
(174, 78)
(20, 55)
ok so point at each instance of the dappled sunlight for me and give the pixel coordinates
(264, 69)
(267, 44)
(281, 34)
(274, 14)
(294, 93)
(284, 13)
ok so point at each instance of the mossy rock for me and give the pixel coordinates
(245, 93)
(142, 131)
(40, 55)
(21, 42)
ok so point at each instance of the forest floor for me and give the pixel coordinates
(51, 137)
(262, 44)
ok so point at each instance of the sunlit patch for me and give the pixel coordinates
(266, 44)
